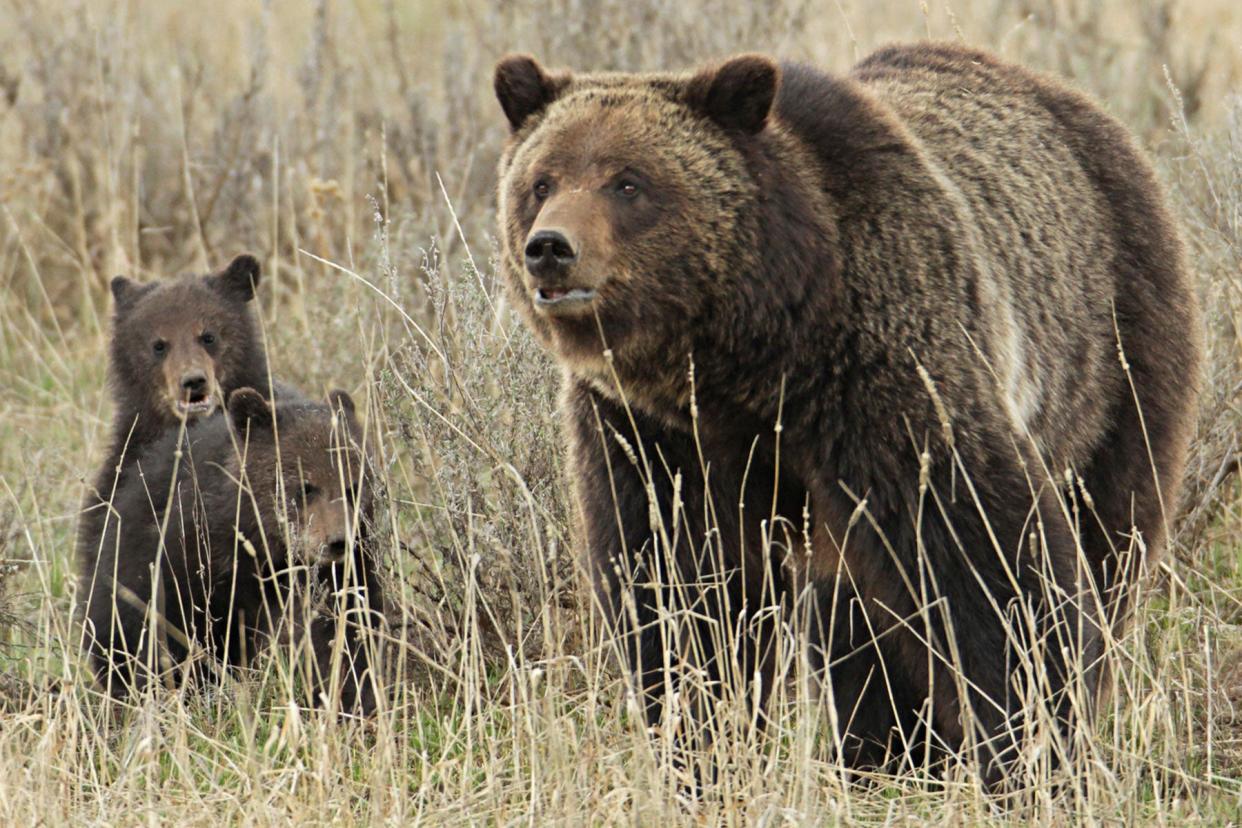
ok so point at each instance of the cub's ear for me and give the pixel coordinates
(738, 94)
(125, 292)
(524, 89)
(247, 408)
(341, 401)
(239, 280)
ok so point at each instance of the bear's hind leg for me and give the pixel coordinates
(863, 678)
(985, 609)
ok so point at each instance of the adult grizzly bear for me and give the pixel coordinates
(887, 308)
(254, 530)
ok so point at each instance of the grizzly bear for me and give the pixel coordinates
(249, 529)
(916, 345)
(178, 348)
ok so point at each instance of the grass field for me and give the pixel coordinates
(351, 145)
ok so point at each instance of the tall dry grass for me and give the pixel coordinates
(352, 146)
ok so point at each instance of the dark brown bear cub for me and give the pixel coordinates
(254, 532)
(851, 334)
(179, 348)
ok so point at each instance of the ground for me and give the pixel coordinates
(352, 148)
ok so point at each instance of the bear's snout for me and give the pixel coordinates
(194, 386)
(196, 393)
(336, 549)
(568, 252)
(191, 383)
(550, 254)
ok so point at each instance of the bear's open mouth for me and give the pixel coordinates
(567, 297)
(197, 405)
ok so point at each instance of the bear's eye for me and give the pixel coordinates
(309, 492)
(627, 188)
(159, 347)
(542, 189)
(207, 338)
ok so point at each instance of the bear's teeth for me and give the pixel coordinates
(550, 296)
(196, 406)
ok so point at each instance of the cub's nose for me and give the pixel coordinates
(549, 253)
(336, 550)
(194, 386)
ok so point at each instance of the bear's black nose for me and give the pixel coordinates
(336, 550)
(194, 386)
(549, 253)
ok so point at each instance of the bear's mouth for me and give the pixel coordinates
(558, 299)
(196, 405)
(323, 553)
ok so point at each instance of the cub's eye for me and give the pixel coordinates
(627, 188)
(309, 491)
(159, 347)
(542, 190)
(207, 338)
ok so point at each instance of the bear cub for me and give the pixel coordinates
(253, 534)
(178, 349)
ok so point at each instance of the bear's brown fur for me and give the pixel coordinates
(178, 348)
(903, 293)
(254, 530)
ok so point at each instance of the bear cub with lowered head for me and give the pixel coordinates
(251, 529)
(855, 339)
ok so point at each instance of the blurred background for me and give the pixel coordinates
(152, 138)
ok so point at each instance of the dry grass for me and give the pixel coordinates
(352, 147)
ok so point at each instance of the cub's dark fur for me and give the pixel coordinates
(253, 531)
(922, 272)
(178, 349)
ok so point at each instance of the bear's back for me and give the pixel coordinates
(1034, 230)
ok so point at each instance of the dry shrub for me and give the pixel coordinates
(1207, 181)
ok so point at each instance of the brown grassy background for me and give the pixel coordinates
(351, 146)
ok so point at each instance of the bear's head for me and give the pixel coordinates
(634, 207)
(179, 346)
(304, 465)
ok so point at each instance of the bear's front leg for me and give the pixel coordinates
(665, 554)
(327, 631)
(126, 626)
(356, 618)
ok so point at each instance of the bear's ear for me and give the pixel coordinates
(524, 89)
(736, 95)
(125, 292)
(341, 401)
(239, 280)
(248, 408)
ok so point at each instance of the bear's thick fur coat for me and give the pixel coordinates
(859, 337)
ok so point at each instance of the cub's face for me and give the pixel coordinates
(622, 198)
(177, 345)
(305, 459)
